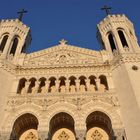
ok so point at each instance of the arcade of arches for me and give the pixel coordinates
(63, 84)
(62, 127)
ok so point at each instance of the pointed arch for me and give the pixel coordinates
(3, 42)
(14, 45)
(112, 42)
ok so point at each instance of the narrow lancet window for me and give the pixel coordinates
(111, 41)
(122, 38)
(3, 43)
(14, 46)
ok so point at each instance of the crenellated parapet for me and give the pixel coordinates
(15, 26)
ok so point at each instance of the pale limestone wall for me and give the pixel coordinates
(129, 105)
(5, 86)
(134, 76)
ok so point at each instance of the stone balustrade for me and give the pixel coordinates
(62, 85)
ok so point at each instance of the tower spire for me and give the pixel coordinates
(21, 14)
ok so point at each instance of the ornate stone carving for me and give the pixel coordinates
(63, 56)
(96, 135)
(30, 136)
(63, 136)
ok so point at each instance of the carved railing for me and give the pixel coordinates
(77, 99)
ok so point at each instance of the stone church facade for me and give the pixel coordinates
(70, 93)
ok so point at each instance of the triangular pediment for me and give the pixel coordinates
(63, 55)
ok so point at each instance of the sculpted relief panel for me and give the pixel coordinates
(62, 57)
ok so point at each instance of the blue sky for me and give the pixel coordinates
(73, 20)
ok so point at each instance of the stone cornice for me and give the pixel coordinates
(121, 58)
(8, 66)
(64, 55)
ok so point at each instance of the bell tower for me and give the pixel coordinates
(15, 37)
(116, 32)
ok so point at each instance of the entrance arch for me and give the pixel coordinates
(99, 126)
(62, 127)
(25, 127)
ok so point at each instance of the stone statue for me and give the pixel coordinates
(72, 88)
(35, 88)
(53, 89)
(63, 89)
(102, 88)
(82, 88)
(92, 87)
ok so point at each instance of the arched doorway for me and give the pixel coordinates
(25, 128)
(62, 127)
(98, 127)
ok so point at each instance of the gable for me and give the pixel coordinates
(63, 55)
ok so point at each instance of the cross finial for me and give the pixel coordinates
(63, 42)
(107, 9)
(21, 14)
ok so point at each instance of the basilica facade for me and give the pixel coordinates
(70, 93)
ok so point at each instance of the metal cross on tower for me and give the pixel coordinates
(21, 14)
(107, 9)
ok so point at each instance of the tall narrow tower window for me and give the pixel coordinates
(112, 43)
(3, 43)
(122, 38)
(14, 46)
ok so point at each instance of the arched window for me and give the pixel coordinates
(103, 83)
(112, 42)
(42, 84)
(92, 83)
(52, 87)
(82, 83)
(99, 126)
(32, 84)
(72, 84)
(14, 46)
(3, 43)
(122, 38)
(62, 86)
(62, 126)
(21, 85)
(25, 124)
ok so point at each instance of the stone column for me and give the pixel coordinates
(97, 83)
(80, 134)
(47, 84)
(119, 134)
(87, 84)
(36, 87)
(118, 41)
(42, 135)
(57, 85)
(67, 85)
(77, 84)
(27, 84)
